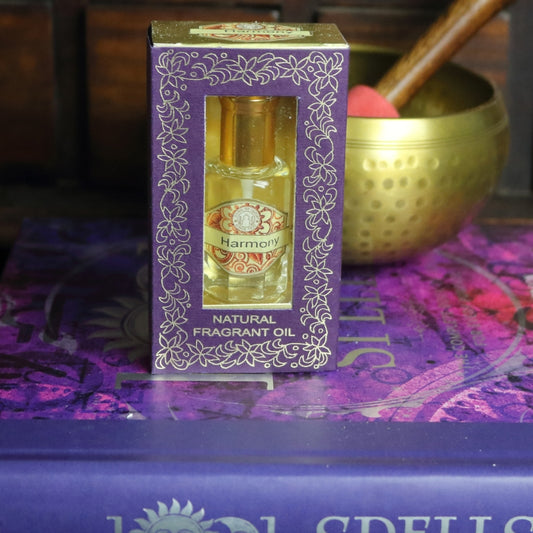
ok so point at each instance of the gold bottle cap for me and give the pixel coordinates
(247, 130)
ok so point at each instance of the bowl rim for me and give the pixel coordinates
(495, 101)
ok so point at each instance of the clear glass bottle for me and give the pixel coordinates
(248, 212)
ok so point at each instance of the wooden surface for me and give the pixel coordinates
(73, 89)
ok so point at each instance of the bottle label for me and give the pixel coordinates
(246, 237)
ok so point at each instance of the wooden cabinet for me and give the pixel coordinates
(27, 106)
(73, 88)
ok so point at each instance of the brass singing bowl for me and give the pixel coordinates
(413, 183)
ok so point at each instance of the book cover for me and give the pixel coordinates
(417, 431)
(446, 336)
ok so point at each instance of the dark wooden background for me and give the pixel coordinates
(73, 137)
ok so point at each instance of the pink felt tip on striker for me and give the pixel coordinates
(363, 101)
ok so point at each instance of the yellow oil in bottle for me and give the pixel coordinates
(248, 211)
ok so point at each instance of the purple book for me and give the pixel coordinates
(107, 447)
(444, 337)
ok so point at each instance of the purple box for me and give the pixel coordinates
(248, 141)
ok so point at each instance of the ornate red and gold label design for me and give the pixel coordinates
(246, 237)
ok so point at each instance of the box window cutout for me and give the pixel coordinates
(249, 199)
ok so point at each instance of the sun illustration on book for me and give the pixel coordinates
(123, 323)
(178, 519)
(173, 520)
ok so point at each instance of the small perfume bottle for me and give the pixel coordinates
(249, 203)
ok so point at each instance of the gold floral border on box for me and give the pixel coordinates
(319, 73)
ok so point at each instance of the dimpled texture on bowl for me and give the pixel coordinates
(412, 183)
